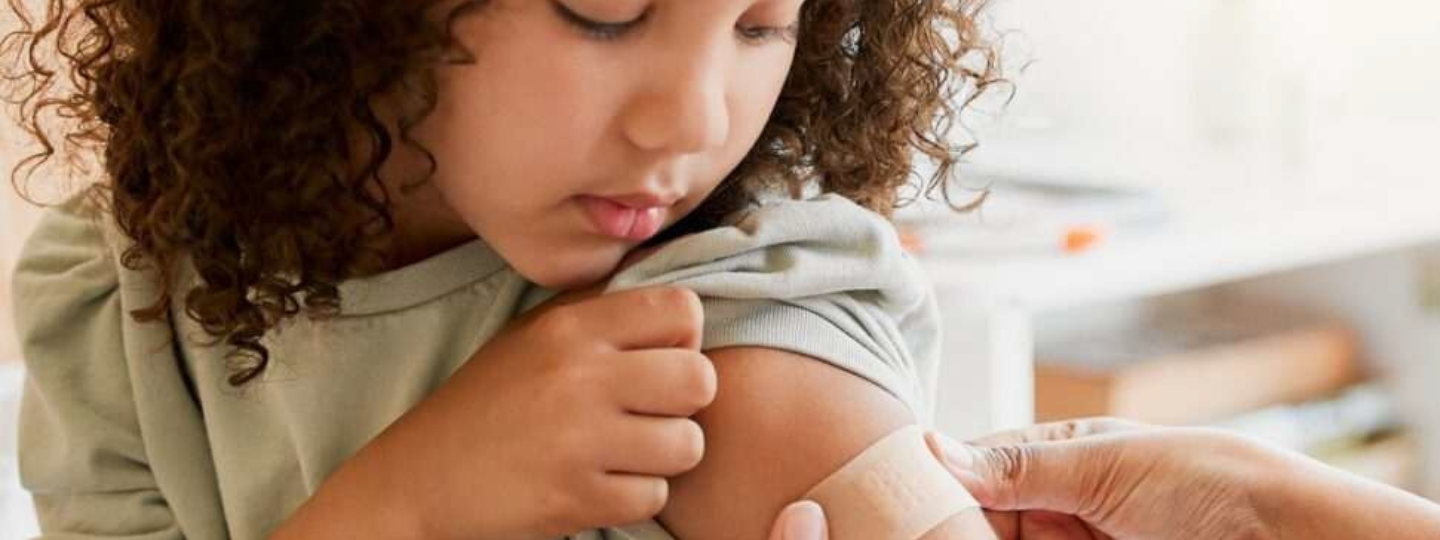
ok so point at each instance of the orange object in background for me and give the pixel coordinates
(1082, 238)
(1068, 240)
(911, 240)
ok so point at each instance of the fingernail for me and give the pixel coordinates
(956, 453)
(804, 520)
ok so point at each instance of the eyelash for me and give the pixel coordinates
(765, 34)
(601, 31)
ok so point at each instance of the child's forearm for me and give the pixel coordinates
(357, 501)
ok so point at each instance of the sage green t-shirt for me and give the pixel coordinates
(130, 430)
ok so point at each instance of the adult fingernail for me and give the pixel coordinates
(804, 520)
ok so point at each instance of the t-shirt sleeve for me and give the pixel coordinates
(822, 277)
(81, 452)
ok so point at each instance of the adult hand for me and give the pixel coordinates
(1106, 478)
(1111, 479)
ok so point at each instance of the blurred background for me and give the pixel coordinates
(1132, 90)
(1212, 212)
(1205, 212)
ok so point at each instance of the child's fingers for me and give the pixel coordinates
(654, 317)
(661, 382)
(623, 498)
(802, 520)
(653, 446)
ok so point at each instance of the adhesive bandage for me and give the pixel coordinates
(894, 490)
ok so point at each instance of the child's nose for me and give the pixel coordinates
(682, 109)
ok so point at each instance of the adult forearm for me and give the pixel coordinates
(1316, 502)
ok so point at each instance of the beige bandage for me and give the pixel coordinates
(894, 490)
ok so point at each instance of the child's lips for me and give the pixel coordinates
(617, 220)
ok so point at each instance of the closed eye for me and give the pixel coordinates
(602, 30)
(765, 34)
(613, 30)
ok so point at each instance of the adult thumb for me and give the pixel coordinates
(1050, 475)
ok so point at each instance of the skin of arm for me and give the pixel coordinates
(1089, 478)
(781, 423)
(1311, 500)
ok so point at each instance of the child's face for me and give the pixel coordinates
(552, 115)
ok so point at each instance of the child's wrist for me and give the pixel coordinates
(387, 480)
(392, 495)
(347, 506)
(365, 497)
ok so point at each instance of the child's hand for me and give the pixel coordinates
(571, 418)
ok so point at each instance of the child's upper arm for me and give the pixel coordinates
(825, 336)
(83, 455)
(781, 423)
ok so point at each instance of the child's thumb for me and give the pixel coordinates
(803, 520)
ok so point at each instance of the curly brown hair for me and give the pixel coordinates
(228, 129)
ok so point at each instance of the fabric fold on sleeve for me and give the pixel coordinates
(822, 277)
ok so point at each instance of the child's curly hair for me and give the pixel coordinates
(227, 129)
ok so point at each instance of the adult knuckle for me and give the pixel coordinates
(1009, 463)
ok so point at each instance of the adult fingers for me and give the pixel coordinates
(1059, 431)
(1054, 475)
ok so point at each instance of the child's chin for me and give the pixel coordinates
(572, 276)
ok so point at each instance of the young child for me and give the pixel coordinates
(314, 292)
